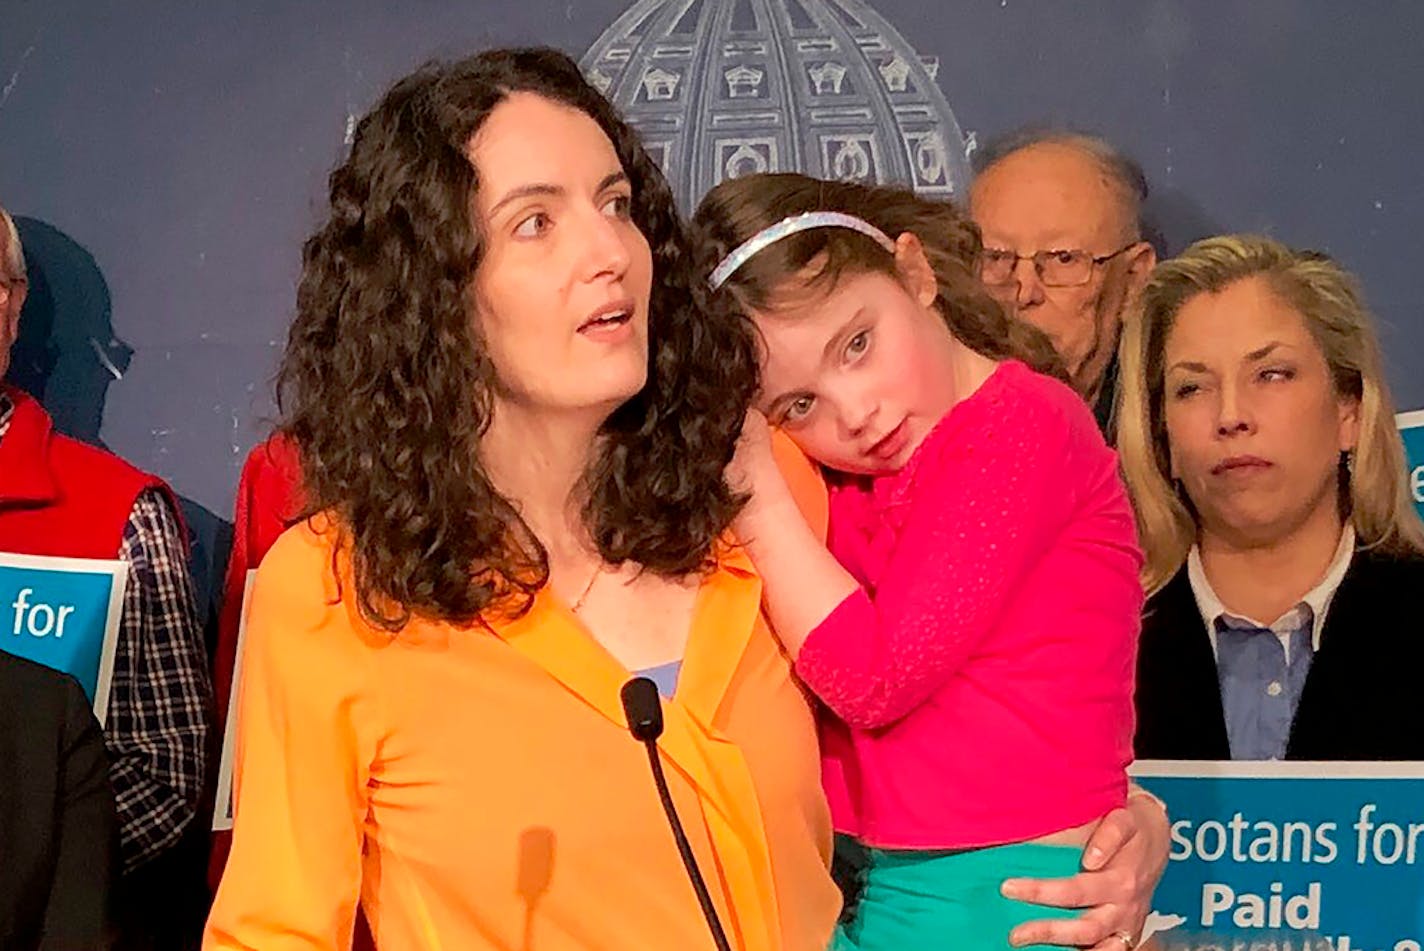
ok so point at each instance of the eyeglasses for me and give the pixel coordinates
(5, 284)
(1055, 268)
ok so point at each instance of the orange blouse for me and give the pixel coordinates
(481, 791)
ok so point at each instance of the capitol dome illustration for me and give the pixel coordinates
(723, 88)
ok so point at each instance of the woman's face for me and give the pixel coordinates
(1254, 425)
(857, 378)
(561, 292)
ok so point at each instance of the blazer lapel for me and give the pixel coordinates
(1322, 717)
(1179, 696)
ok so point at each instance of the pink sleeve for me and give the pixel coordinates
(983, 512)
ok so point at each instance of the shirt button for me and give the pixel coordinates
(1274, 689)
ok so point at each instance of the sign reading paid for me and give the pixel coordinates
(64, 613)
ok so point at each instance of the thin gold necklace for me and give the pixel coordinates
(578, 603)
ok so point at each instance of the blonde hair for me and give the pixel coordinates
(1374, 493)
(14, 251)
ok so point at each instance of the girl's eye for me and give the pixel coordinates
(798, 408)
(533, 226)
(858, 344)
(619, 206)
(1183, 390)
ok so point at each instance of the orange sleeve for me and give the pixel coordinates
(803, 477)
(307, 734)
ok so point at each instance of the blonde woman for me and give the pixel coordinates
(1283, 553)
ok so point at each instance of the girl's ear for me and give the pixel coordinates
(914, 268)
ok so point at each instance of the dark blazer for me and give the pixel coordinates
(58, 832)
(1361, 699)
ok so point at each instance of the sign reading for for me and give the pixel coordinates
(64, 613)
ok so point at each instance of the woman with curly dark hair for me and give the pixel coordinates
(513, 420)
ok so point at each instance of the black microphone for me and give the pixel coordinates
(644, 709)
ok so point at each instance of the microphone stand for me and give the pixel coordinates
(643, 707)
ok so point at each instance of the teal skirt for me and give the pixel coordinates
(928, 900)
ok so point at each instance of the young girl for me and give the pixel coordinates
(973, 624)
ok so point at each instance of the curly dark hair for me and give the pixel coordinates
(737, 209)
(386, 388)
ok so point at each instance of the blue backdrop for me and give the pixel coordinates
(171, 157)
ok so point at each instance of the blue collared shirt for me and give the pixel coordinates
(1261, 668)
(1262, 673)
(664, 675)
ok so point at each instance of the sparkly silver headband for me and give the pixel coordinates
(766, 237)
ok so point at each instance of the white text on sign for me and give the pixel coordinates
(1262, 911)
(40, 619)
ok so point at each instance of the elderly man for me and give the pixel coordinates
(1063, 246)
(59, 497)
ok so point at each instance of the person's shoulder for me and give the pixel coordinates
(104, 489)
(1390, 565)
(274, 466)
(1171, 606)
(23, 672)
(1048, 399)
(277, 452)
(40, 687)
(309, 563)
(1013, 415)
(302, 601)
(97, 461)
(307, 544)
(1382, 582)
(1038, 420)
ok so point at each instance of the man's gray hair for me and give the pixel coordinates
(1125, 174)
(14, 252)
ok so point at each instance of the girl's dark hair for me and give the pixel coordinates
(737, 209)
(387, 390)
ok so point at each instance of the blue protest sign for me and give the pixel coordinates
(1284, 855)
(222, 805)
(1411, 430)
(64, 613)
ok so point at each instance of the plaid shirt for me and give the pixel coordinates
(160, 697)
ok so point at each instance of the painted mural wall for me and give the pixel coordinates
(168, 158)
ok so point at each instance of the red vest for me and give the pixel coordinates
(268, 498)
(58, 496)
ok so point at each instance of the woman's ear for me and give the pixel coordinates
(914, 267)
(1349, 415)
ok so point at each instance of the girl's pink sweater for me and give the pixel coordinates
(982, 678)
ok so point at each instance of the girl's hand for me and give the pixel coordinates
(801, 581)
(1122, 864)
(753, 465)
